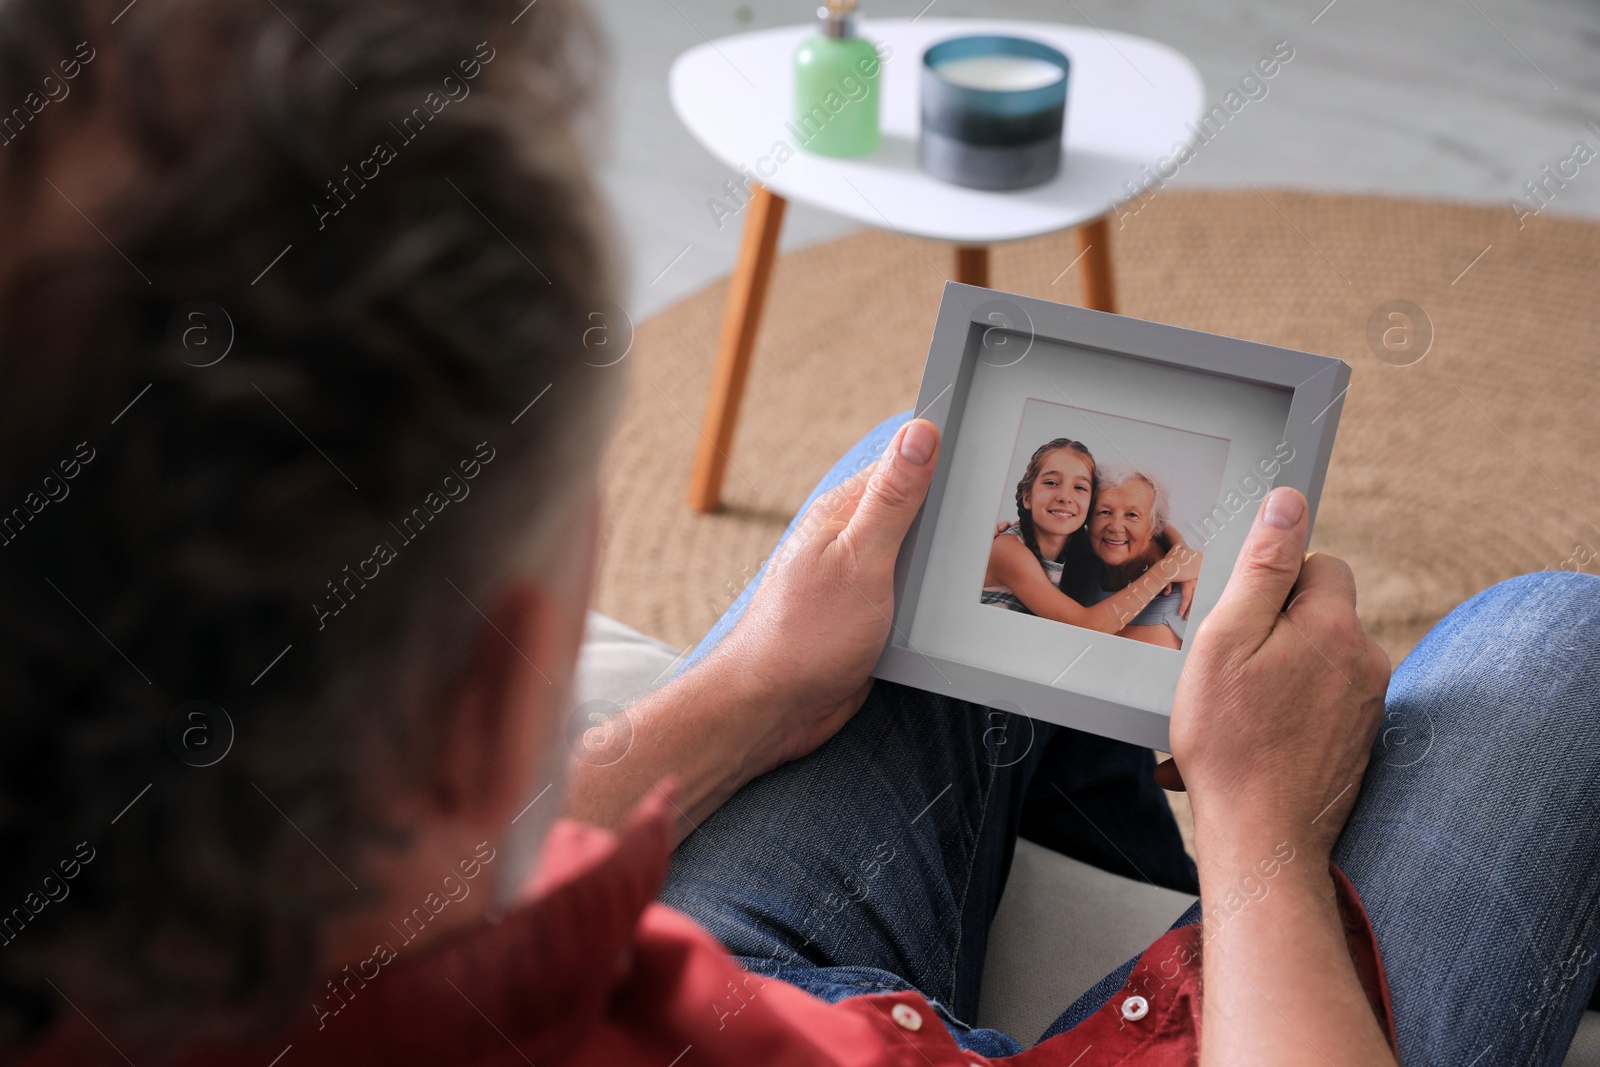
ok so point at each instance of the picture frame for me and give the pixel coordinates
(1223, 420)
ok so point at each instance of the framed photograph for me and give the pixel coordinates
(1097, 478)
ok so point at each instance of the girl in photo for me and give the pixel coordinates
(1044, 563)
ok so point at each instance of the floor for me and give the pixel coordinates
(1456, 99)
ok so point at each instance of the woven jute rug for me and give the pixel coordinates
(1472, 464)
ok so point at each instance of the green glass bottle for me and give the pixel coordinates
(836, 86)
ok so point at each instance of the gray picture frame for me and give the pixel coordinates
(974, 324)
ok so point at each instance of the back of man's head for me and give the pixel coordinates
(278, 283)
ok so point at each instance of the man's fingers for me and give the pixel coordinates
(1323, 609)
(838, 505)
(1267, 568)
(1326, 583)
(826, 517)
(1168, 777)
(896, 488)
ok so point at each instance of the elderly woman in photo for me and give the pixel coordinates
(1129, 534)
(1044, 563)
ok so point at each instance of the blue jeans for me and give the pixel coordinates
(877, 862)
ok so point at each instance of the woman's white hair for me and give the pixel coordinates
(1114, 477)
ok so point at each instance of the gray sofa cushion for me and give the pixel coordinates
(1062, 926)
(618, 663)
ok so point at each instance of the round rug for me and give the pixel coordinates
(1466, 452)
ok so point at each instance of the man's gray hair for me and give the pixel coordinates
(1114, 477)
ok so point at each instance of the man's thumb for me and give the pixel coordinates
(895, 490)
(1269, 562)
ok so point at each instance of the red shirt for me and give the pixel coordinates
(593, 971)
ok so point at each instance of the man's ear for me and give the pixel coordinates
(510, 703)
(498, 718)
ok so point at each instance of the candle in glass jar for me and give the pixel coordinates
(993, 111)
(1001, 73)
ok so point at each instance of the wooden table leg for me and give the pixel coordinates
(972, 265)
(747, 293)
(1094, 242)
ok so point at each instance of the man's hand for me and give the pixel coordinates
(795, 668)
(822, 613)
(1276, 712)
(1281, 697)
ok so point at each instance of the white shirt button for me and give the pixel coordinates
(1135, 1008)
(906, 1016)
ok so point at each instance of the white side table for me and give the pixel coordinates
(1130, 101)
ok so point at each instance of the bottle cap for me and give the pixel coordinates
(838, 18)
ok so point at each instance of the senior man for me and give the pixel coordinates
(302, 443)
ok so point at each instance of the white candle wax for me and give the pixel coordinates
(1004, 73)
